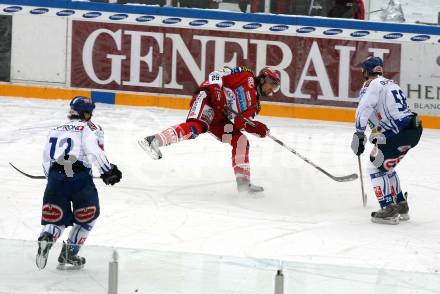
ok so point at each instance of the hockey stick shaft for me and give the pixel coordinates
(26, 174)
(32, 176)
(339, 179)
(364, 196)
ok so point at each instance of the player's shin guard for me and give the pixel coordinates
(69, 258)
(240, 160)
(78, 235)
(55, 230)
(385, 193)
(381, 186)
(240, 164)
(396, 190)
(184, 131)
(399, 197)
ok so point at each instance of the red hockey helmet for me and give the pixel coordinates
(267, 75)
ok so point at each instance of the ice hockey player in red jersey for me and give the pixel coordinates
(220, 106)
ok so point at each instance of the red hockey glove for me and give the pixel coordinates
(240, 120)
(258, 129)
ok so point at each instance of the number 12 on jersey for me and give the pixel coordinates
(53, 142)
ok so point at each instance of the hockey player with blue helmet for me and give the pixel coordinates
(80, 106)
(71, 198)
(395, 130)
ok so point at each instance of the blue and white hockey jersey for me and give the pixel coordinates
(82, 141)
(383, 105)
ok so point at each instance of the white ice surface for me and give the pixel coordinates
(186, 202)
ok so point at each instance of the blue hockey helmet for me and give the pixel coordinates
(373, 65)
(80, 104)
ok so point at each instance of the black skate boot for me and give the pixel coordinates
(387, 215)
(68, 260)
(45, 242)
(151, 145)
(245, 186)
(403, 208)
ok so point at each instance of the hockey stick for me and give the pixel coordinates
(27, 175)
(312, 3)
(32, 176)
(338, 179)
(364, 196)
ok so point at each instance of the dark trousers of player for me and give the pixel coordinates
(385, 157)
(69, 200)
(396, 147)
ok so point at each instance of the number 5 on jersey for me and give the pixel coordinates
(401, 100)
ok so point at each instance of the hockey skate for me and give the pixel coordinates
(45, 242)
(151, 145)
(387, 215)
(403, 208)
(68, 260)
(249, 188)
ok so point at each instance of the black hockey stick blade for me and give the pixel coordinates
(27, 175)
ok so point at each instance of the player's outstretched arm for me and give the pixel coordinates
(110, 173)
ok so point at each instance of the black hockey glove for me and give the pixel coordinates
(113, 176)
(358, 143)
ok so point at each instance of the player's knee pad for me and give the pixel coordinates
(386, 157)
(239, 140)
(86, 215)
(52, 214)
(381, 186)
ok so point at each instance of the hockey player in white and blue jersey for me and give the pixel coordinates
(394, 131)
(71, 198)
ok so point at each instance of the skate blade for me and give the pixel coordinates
(41, 261)
(69, 267)
(155, 155)
(253, 193)
(253, 190)
(404, 217)
(386, 221)
(256, 193)
(41, 258)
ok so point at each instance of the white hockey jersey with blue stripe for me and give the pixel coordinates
(382, 104)
(81, 141)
